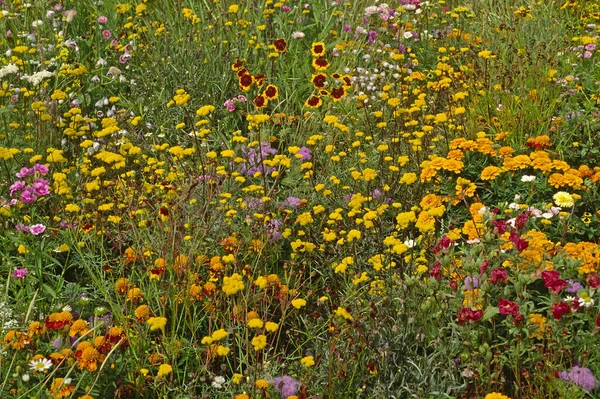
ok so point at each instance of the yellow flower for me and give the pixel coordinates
(563, 199)
(308, 361)
(219, 335)
(157, 323)
(298, 303)
(222, 350)
(233, 9)
(164, 369)
(271, 327)
(233, 284)
(343, 313)
(255, 323)
(495, 395)
(261, 384)
(259, 342)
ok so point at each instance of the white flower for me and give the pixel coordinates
(408, 35)
(410, 243)
(40, 364)
(218, 382)
(9, 69)
(528, 178)
(297, 35)
(586, 302)
(67, 308)
(25, 377)
(37, 77)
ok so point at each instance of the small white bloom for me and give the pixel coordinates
(25, 377)
(67, 308)
(528, 178)
(297, 35)
(408, 35)
(40, 364)
(218, 382)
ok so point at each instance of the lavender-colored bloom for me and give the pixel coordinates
(347, 28)
(573, 287)
(20, 273)
(581, 376)
(253, 203)
(303, 154)
(37, 229)
(286, 385)
(471, 283)
(272, 227)
(292, 202)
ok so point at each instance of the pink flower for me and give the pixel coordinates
(102, 19)
(37, 229)
(106, 34)
(19, 273)
(507, 307)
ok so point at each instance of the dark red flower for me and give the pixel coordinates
(593, 280)
(559, 309)
(314, 102)
(271, 92)
(260, 79)
(483, 267)
(280, 45)
(319, 80)
(237, 65)
(553, 282)
(260, 101)
(246, 80)
(468, 315)
(337, 93)
(598, 321)
(500, 226)
(241, 72)
(320, 63)
(521, 220)
(520, 243)
(436, 271)
(507, 307)
(498, 276)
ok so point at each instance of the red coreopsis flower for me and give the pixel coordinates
(237, 65)
(241, 72)
(553, 282)
(260, 101)
(280, 45)
(245, 82)
(318, 49)
(337, 93)
(319, 80)
(271, 92)
(313, 102)
(320, 64)
(260, 80)
(559, 309)
(507, 307)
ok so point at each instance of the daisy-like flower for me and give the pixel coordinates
(40, 364)
(318, 49)
(563, 199)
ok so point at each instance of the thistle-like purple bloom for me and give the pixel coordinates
(286, 385)
(581, 376)
(20, 273)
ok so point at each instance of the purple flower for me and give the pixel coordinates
(285, 9)
(24, 173)
(471, 283)
(573, 287)
(19, 185)
(292, 202)
(20, 273)
(28, 196)
(40, 187)
(303, 154)
(272, 227)
(347, 28)
(40, 168)
(37, 229)
(286, 385)
(581, 376)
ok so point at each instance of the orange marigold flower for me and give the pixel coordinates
(79, 327)
(57, 321)
(88, 357)
(15, 339)
(142, 313)
(490, 172)
(36, 329)
(122, 286)
(135, 294)
(61, 388)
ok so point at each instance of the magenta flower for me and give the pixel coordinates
(37, 229)
(20, 273)
(106, 34)
(40, 168)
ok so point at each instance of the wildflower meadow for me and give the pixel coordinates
(255, 199)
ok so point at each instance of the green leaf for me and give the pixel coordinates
(49, 290)
(490, 312)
